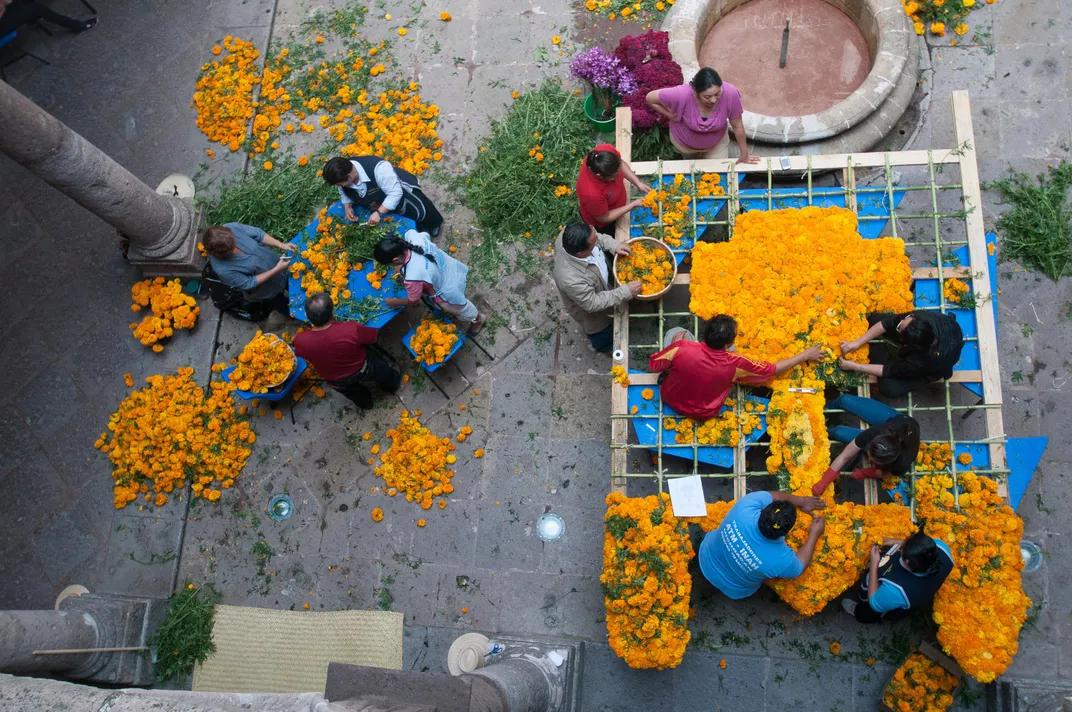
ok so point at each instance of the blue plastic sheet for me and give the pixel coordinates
(358, 284)
(648, 434)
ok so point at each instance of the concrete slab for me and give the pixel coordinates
(700, 682)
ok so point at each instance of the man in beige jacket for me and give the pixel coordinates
(583, 278)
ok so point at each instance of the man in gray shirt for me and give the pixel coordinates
(240, 258)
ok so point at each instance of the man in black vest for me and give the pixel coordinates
(376, 185)
(903, 579)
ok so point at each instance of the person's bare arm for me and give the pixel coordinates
(632, 178)
(400, 301)
(808, 504)
(272, 242)
(615, 213)
(872, 573)
(742, 142)
(658, 107)
(877, 330)
(871, 369)
(281, 265)
(846, 456)
(807, 551)
(812, 353)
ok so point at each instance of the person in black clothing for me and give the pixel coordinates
(902, 579)
(930, 344)
(381, 188)
(18, 13)
(891, 443)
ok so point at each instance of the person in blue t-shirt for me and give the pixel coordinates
(749, 547)
(902, 579)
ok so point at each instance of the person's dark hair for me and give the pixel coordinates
(776, 519)
(389, 249)
(919, 335)
(921, 554)
(705, 79)
(884, 450)
(319, 308)
(575, 238)
(219, 241)
(337, 170)
(603, 163)
(720, 332)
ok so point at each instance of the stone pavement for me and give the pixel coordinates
(542, 407)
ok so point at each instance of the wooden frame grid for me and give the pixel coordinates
(967, 191)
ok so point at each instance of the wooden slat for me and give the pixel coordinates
(966, 376)
(947, 272)
(619, 395)
(682, 278)
(834, 161)
(986, 323)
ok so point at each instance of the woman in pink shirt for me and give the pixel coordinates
(700, 113)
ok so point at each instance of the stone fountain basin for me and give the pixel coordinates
(853, 124)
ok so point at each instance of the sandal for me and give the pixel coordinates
(477, 326)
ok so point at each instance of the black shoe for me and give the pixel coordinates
(435, 231)
(87, 25)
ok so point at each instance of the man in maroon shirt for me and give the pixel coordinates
(337, 351)
(698, 377)
(601, 191)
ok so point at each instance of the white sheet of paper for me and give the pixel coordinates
(686, 496)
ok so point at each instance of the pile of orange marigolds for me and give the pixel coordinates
(794, 278)
(417, 463)
(248, 108)
(264, 363)
(648, 263)
(646, 582)
(169, 431)
(433, 340)
(920, 685)
(171, 310)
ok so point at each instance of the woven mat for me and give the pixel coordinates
(262, 650)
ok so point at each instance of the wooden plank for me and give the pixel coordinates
(966, 376)
(682, 278)
(834, 161)
(947, 272)
(619, 395)
(984, 312)
(740, 480)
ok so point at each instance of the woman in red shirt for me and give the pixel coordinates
(601, 188)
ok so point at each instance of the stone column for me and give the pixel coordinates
(514, 685)
(22, 632)
(162, 230)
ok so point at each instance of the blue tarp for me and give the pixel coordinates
(358, 285)
(648, 433)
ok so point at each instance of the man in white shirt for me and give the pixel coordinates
(381, 188)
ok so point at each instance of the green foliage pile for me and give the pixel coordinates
(282, 201)
(654, 145)
(1037, 230)
(510, 191)
(184, 638)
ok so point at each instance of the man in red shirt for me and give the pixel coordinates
(601, 188)
(698, 377)
(336, 349)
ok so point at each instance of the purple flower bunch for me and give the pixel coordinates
(602, 71)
